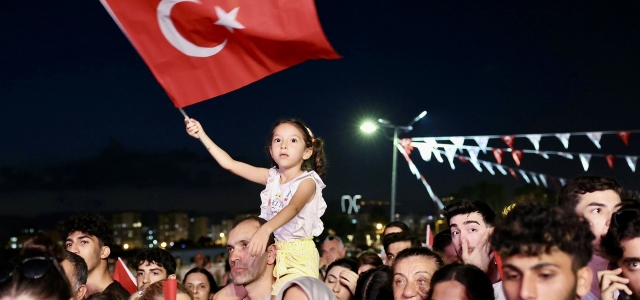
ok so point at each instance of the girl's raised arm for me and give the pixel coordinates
(246, 171)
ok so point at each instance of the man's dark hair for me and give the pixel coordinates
(442, 240)
(399, 237)
(261, 221)
(534, 229)
(569, 195)
(375, 284)
(89, 223)
(466, 207)
(477, 284)
(369, 258)
(611, 242)
(157, 256)
(419, 252)
(80, 269)
(398, 224)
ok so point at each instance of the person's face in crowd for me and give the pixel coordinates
(597, 208)
(179, 297)
(88, 247)
(549, 276)
(391, 229)
(331, 251)
(394, 249)
(332, 280)
(295, 292)
(412, 276)
(245, 268)
(450, 255)
(469, 227)
(449, 290)
(69, 271)
(630, 264)
(148, 273)
(364, 267)
(199, 286)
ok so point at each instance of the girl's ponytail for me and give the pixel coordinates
(318, 159)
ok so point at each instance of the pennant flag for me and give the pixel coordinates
(517, 155)
(624, 135)
(562, 181)
(122, 275)
(543, 154)
(632, 161)
(198, 50)
(535, 178)
(436, 154)
(564, 138)
(566, 155)
(450, 152)
(489, 167)
(476, 164)
(429, 239)
(543, 178)
(513, 173)
(458, 141)
(584, 158)
(535, 140)
(497, 153)
(595, 138)
(482, 142)
(501, 169)
(473, 153)
(524, 176)
(425, 151)
(407, 145)
(610, 159)
(463, 159)
(508, 139)
(170, 289)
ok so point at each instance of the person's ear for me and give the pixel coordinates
(584, 276)
(307, 153)
(271, 253)
(106, 251)
(81, 292)
(172, 276)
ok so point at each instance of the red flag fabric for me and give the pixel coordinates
(200, 49)
(610, 159)
(170, 289)
(517, 155)
(513, 173)
(508, 139)
(624, 135)
(122, 275)
(497, 152)
(429, 236)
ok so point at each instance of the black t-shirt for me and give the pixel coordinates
(115, 288)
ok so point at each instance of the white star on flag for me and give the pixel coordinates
(228, 20)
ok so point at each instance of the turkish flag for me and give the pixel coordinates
(122, 275)
(200, 49)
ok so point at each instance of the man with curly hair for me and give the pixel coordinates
(545, 252)
(90, 235)
(593, 198)
(154, 265)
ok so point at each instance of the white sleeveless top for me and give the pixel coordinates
(276, 196)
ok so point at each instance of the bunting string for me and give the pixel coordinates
(622, 133)
(414, 171)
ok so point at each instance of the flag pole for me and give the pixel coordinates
(199, 135)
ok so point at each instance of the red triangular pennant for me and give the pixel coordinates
(508, 139)
(513, 173)
(517, 155)
(406, 144)
(463, 159)
(610, 158)
(624, 135)
(497, 152)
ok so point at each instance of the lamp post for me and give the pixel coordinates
(371, 127)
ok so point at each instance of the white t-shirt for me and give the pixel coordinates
(276, 196)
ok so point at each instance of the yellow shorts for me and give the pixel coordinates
(295, 258)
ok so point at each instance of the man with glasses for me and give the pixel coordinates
(622, 246)
(594, 199)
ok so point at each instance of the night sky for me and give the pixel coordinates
(70, 80)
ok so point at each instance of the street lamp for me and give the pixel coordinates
(369, 127)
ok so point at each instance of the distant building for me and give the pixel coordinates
(198, 227)
(173, 226)
(219, 232)
(127, 230)
(149, 236)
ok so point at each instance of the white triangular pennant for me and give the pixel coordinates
(564, 138)
(543, 154)
(425, 150)
(543, 178)
(562, 181)
(414, 170)
(584, 159)
(450, 152)
(482, 142)
(535, 140)
(473, 153)
(566, 155)
(501, 169)
(489, 167)
(632, 161)
(524, 175)
(458, 141)
(477, 165)
(436, 154)
(535, 178)
(595, 138)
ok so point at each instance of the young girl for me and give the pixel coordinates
(292, 201)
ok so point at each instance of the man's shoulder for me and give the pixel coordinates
(117, 289)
